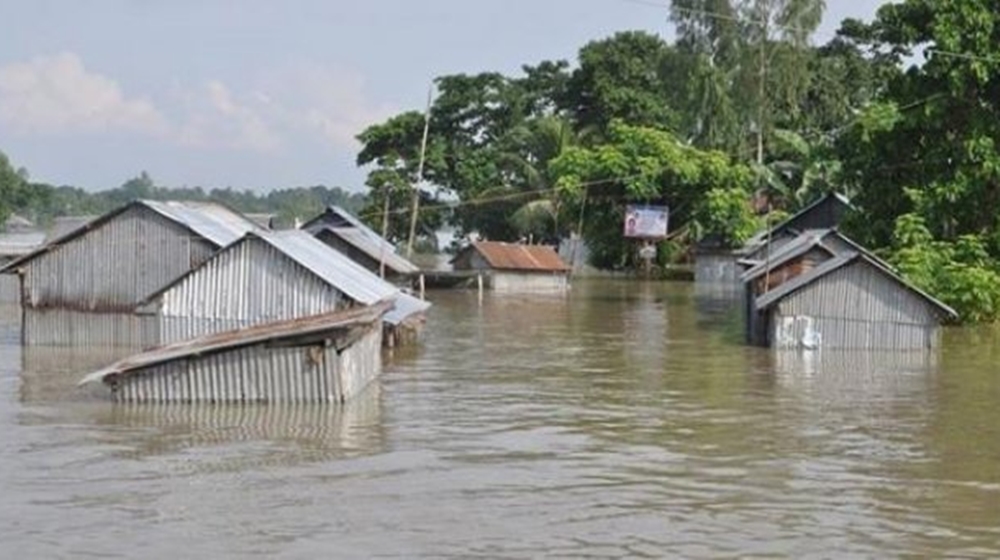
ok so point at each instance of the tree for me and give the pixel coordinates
(931, 145)
(626, 77)
(12, 185)
(649, 166)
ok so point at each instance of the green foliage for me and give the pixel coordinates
(12, 185)
(725, 214)
(959, 273)
(41, 202)
(650, 166)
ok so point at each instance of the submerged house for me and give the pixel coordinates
(326, 358)
(81, 288)
(717, 263)
(273, 276)
(513, 267)
(834, 294)
(342, 231)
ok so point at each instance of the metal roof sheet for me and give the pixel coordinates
(377, 250)
(218, 342)
(515, 256)
(774, 296)
(789, 251)
(761, 236)
(20, 243)
(405, 305)
(330, 265)
(336, 217)
(214, 222)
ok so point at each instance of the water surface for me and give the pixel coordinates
(623, 420)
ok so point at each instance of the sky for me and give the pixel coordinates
(260, 94)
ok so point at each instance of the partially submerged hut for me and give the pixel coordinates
(851, 300)
(514, 267)
(81, 288)
(323, 358)
(344, 232)
(716, 263)
(273, 276)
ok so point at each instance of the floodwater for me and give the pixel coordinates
(623, 420)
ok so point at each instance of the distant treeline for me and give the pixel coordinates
(42, 203)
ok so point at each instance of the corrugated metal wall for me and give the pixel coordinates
(529, 282)
(855, 307)
(248, 284)
(10, 289)
(314, 373)
(68, 327)
(114, 266)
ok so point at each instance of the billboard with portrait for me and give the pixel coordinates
(647, 222)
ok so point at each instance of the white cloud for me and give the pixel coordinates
(58, 95)
(282, 109)
(327, 101)
(215, 118)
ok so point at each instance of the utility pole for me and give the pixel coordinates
(415, 206)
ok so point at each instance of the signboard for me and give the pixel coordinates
(648, 222)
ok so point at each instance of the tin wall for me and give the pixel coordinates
(114, 266)
(262, 373)
(68, 327)
(247, 284)
(529, 282)
(854, 307)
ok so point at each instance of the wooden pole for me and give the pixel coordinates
(415, 203)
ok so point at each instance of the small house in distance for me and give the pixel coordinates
(342, 231)
(81, 288)
(273, 276)
(848, 301)
(513, 267)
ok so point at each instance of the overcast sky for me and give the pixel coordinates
(259, 93)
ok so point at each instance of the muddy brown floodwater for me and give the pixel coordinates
(623, 420)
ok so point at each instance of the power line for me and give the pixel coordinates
(520, 194)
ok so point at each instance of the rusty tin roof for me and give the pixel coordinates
(515, 256)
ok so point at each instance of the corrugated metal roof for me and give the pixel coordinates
(214, 222)
(218, 342)
(774, 296)
(515, 256)
(761, 236)
(405, 305)
(20, 243)
(789, 251)
(380, 251)
(336, 217)
(330, 265)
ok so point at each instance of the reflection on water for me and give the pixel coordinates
(624, 419)
(283, 434)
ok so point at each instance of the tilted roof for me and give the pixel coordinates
(515, 256)
(772, 297)
(379, 251)
(222, 341)
(792, 221)
(211, 221)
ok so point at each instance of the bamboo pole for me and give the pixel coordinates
(415, 203)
